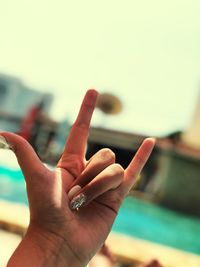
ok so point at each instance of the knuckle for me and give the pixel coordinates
(116, 169)
(119, 169)
(73, 164)
(108, 154)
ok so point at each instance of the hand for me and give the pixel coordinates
(60, 234)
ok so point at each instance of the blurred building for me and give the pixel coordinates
(176, 183)
(170, 176)
(192, 134)
(15, 99)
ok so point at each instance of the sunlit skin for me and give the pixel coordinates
(57, 235)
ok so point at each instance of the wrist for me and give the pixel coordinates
(40, 248)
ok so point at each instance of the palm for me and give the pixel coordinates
(53, 214)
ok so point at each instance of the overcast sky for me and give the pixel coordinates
(145, 52)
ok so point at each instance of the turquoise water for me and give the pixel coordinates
(12, 185)
(151, 222)
(136, 218)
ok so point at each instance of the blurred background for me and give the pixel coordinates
(144, 59)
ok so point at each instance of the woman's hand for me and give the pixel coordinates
(73, 207)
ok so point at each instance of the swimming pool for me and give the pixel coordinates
(12, 185)
(136, 218)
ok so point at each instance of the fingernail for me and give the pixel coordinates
(73, 191)
(3, 143)
(78, 201)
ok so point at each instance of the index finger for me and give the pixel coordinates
(77, 139)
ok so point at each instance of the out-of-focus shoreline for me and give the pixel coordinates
(14, 219)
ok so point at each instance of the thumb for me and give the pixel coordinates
(26, 156)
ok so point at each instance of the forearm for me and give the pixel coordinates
(36, 250)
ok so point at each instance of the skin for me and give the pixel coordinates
(152, 263)
(57, 235)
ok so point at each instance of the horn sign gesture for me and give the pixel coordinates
(73, 207)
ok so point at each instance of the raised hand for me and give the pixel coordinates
(73, 207)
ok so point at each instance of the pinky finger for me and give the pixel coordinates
(137, 164)
(110, 178)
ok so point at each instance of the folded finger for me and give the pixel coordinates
(110, 178)
(101, 160)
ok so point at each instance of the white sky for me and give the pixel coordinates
(145, 52)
